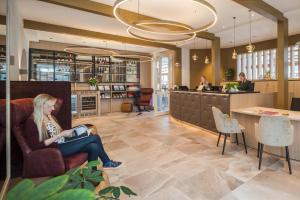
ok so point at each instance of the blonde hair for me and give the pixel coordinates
(38, 115)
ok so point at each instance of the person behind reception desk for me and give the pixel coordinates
(42, 131)
(245, 85)
(203, 85)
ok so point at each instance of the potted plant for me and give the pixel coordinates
(229, 73)
(78, 183)
(93, 83)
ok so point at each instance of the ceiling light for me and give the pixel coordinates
(135, 57)
(183, 38)
(234, 53)
(206, 61)
(91, 51)
(195, 56)
(250, 47)
(133, 24)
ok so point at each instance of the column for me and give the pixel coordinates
(185, 66)
(216, 61)
(282, 64)
(254, 66)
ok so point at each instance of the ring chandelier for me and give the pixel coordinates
(141, 58)
(182, 29)
(95, 51)
(171, 24)
(91, 51)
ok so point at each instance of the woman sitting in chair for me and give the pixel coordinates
(45, 131)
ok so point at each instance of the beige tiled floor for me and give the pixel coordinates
(167, 160)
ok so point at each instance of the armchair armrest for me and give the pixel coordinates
(43, 162)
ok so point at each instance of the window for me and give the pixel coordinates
(262, 64)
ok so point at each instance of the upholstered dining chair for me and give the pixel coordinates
(275, 131)
(227, 126)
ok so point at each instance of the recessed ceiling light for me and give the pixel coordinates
(223, 27)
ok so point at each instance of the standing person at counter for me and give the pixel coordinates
(245, 85)
(203, 85)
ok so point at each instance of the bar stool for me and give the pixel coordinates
(227, 126)
(275, 131)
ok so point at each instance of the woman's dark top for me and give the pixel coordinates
(31, 135)
(246, 86)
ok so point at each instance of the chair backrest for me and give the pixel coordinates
(274, 131)
(146, 94)
(295, 104)
(219, 118)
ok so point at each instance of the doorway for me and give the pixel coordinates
(162, 81)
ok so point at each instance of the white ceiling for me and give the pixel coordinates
(262, 28)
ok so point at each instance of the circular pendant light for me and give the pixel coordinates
(91, 51)
(140, 58)
(149, 24)
(134, 25)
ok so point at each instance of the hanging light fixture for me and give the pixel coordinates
(163, 30)
(206, 61)
(234, 53)
(195, 56)
(250, 47)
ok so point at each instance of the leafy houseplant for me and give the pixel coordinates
(78, 183)
(231, 86)
(93, 83)
(229, 73)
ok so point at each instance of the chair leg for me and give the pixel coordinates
(224, 143)
(288, 158)
(260, 155)
(245, 145)
(219, 139)
(237, 140)
(258, 149)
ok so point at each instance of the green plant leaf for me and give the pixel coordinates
(86, 172)
(127, 191)
(88, 185)
(106, 190)
(93, 163)
(21, 191)
(75, 194)
(71, 185)
(49, 187)
(76, 178)
(116, 192)
(97, 179)
(73, 171)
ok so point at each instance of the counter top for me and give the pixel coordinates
(263, 111)
(214, 92)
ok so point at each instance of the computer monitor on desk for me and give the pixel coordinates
(183, 88)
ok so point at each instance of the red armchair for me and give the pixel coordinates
(145, 97)
(41, 162)
(2, 140)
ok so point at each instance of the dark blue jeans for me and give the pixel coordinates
(91, 145)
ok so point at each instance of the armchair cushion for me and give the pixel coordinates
(43, 162)
(75, 160)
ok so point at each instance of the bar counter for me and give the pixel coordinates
(195, 107)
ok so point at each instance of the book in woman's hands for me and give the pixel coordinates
(78, 133)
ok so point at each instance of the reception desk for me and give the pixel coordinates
(195, 107)
(249, 116)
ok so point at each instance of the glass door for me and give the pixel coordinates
(162, 79)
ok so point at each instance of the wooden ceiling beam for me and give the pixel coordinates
(40, 26)
(263, 9)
